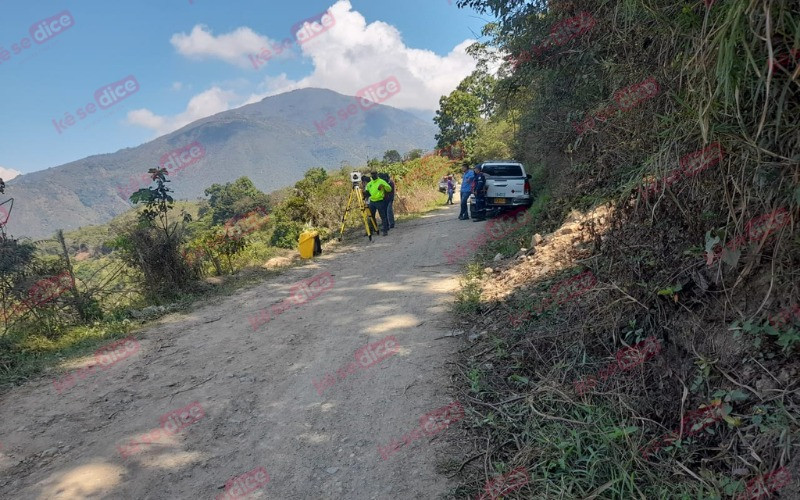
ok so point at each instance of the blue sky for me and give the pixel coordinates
(194, 58)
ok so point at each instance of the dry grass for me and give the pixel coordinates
(713, 66)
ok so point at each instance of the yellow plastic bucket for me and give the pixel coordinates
(306, 244)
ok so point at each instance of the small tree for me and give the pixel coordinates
(392, 156)
(287, 229)
(234, 198)
(216, 243)
(229, 244)
(413, 154)
(153, 245)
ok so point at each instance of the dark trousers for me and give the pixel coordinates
(381, 207)
(449, 198)
(480, 207)
(371, 209)
(390, 211)
(464, 211)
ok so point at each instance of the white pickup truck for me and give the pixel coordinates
(507, 184)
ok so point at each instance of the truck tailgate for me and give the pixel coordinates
(505, 187)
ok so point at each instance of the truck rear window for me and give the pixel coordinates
(503, 170)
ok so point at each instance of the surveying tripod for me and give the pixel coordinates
(366, 214)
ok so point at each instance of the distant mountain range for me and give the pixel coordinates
(273, 142)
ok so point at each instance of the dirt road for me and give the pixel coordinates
(256, 400)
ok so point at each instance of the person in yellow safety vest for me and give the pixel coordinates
(377, 187)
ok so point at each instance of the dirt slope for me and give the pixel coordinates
(259, 406)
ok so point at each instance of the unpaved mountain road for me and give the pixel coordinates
(259, 405)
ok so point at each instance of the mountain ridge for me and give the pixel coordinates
(273, 141)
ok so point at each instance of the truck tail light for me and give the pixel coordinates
(527, 187)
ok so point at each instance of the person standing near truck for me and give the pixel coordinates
(479, 190)
(466, 187)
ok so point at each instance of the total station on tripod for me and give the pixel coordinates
(356, 197)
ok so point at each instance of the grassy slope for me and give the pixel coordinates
(713, 322)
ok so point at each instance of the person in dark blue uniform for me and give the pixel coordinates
(479, 190)
(466, 188)
(389, 198)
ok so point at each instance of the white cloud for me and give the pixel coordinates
(8, 173)
(347, 57)
(176, 86)
(236, 47)
(210, 102)
(354, 54)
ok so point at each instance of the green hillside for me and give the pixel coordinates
(272, 142)
(64, 296)
(645, 344)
